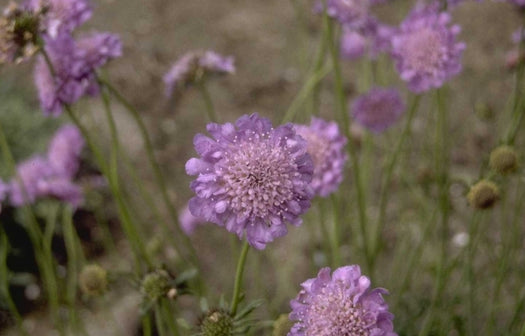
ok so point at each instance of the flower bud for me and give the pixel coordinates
(282, 326)
(217, 323)
(93, 280)
(483, 194)
(504, 160)
(155, 285)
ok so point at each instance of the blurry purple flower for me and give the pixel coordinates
(352, 13)
(62, 16)
(251, 178)
(326, 146)
(74, 64)
(518, 36)
(188, 222)
(373, 38)
(340, 304)
(25, 185)
(61, 188)
(192, 65)
(378, 109)
(65, 149)
(425, 49)
(353, 44)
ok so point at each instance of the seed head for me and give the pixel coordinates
(483, 194)
(156, 285)
(217, 323)
(93, 280)
(504, 160)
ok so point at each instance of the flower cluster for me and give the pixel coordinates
(425, 49)
(51, 175)
(251, 178)
(340, 304)
(192, 66)
(326, 146)
(378, 109)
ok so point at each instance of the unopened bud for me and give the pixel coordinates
(504, 160)
(217, 323)
(93, 280)
(155, 285)
(483, 194)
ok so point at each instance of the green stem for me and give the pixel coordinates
(517, 111)
(387, 177)
(207, 100)
(334, 237)
(442, 160)
(304, 93)
(320, 60)
(239, 279)
(471, 254)
(157, 173)
(343, 116)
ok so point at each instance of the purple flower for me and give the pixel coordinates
(349, 12)
(251, 178)
(64, 150)
(25, 186)
(188, 222)
(50, 176)
(425, 49)
(193, 64)
(62, 15)
(74, 64)
(378, 109)
(326, 146)
(340, 304)
(373, 38)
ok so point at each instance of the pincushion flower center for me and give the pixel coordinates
(333, 313)
(424, 52)
(258, 176)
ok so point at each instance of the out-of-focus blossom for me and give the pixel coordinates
(251, 178)
(378, 109)
(74, 64)
(188, 222)
(353, 13)
(425, 49)
(340, 304)
(326, 146)
(50, 176)
(62, 16)
(372, 39)
(193, 65)
(64, 150)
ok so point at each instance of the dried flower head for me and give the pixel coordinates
(378, 109)
(19, 33)
(251, 178)
(61, 16)
(504, 160)
(192, 66)
(483, 195)
(93, 280)
(326, 146)
(340, 304)
(425, 49)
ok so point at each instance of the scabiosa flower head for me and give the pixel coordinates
(188, 222)
(353, 44)
(193, 65)
(251, 178)
(74, 64)
(326, 146)
(425, 49)
(340, 304)
(348, 12)
(378, 109)
(64, 150)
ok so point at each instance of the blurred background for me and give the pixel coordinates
(274, 44)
